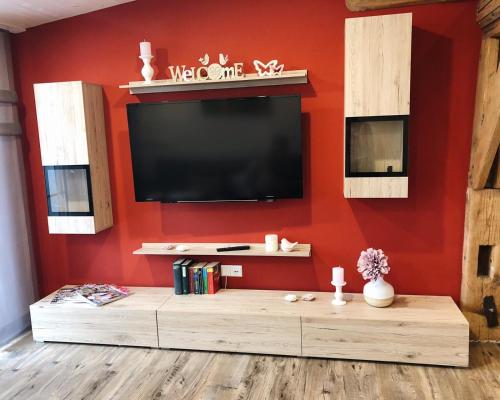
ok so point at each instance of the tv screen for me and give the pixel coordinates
(217, 150)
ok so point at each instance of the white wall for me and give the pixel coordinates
(17, 274)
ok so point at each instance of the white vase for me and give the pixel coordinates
(378, 293)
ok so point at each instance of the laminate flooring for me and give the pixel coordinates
(44, 371)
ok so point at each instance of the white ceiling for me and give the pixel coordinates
(18, 15)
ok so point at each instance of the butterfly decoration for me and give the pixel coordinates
(205, 59)
(223, 59)
(270, 69)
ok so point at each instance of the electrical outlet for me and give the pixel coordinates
(237, 271)
(232, 270)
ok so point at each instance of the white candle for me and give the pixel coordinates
(338, 276)
(145, 48)
(271, 241)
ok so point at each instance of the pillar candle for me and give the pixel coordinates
(338, 276)
(271, 242)
(145, 48)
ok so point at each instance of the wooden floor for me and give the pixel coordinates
(45, 371)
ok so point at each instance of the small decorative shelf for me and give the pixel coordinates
(249, 80)
(209, 249)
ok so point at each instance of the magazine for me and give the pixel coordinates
(95, 294)
(100, 294)
(66, 295)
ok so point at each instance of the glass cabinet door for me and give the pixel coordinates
(377, 146)
(69, 191)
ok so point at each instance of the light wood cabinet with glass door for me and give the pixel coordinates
(74, 157)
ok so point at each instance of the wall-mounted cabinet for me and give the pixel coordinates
(377, 106)
(74, 156)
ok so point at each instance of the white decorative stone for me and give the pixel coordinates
(291, 298)
(308, 297)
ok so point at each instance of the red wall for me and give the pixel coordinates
(422, 235)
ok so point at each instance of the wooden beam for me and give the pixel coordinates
(496, 181)
(488, 12)
(486, 131)
(482, 228)
(492, 30)
(363, 5)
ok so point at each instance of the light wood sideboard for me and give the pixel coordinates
(248, 321)
(129, 322)
(415, 329)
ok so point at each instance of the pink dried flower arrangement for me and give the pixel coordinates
(372, 264)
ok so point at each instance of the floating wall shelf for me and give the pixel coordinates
(209, 249)
(249, 80)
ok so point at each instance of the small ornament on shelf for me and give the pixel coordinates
(287, 246)
(373, 265)
(270, 69)
(291, 298)
(208, 72)
(146, 57)
(338, 281)
(205, 59)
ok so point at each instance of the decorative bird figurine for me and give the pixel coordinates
(223, 59)
(287, 246)
(205, 59)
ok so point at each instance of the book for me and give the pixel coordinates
(198, 277)
(100, 294)
(190, 278)
(178, 275)
(205, 280)
(210, 279)
(196, 281)
(185, 276)
(213, 277)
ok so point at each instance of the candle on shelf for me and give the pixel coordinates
(338, 276)
(338, 282)
(271, 241)
(145, 48)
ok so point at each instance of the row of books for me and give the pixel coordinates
(195, 277)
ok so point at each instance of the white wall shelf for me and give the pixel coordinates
(249, 80)
(209, 249)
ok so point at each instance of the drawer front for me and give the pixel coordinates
(416, 342)
(230, 332)
(94, 325)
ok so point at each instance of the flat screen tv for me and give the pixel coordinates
(246, 149)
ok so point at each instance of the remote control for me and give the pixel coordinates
(233, 248)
